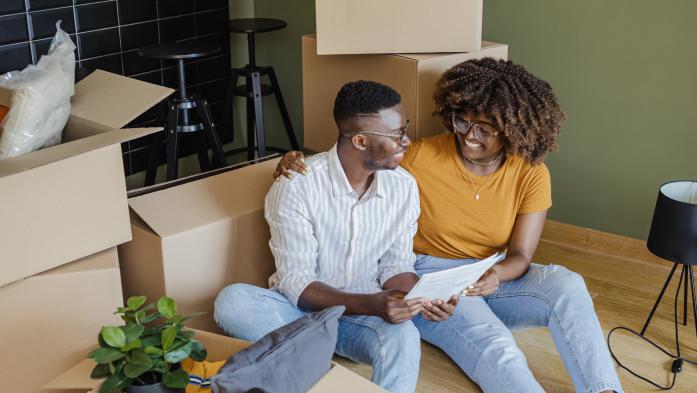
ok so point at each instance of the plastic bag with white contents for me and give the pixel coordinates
(40, 103)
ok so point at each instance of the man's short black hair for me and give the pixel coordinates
(363, 98)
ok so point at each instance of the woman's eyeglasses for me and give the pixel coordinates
(463, 126)
(402, 137)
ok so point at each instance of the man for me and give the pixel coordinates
(343, 235)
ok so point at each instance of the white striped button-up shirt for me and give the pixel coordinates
(321, 231)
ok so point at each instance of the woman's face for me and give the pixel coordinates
(480, 137)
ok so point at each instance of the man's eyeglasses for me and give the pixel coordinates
(480, 132)
(402, 137)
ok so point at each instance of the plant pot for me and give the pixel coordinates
(154, 388)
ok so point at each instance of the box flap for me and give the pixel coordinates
(78, 377)
(107, 259)
(103, 260)
(198, 176)
(339, 379)
(486, 45)
(78, 128)
(51, 154)
(114, 100)
(205, 201)
(220, 347)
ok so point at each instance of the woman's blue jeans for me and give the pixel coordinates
(478, 337)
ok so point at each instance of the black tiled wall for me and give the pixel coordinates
(109, 32)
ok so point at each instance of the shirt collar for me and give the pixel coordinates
(339, 181)
(377, 183)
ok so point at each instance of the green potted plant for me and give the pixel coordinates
(144, 355)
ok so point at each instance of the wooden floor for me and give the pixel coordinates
(624, 280)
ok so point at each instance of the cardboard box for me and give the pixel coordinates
(50, 321)
(192, 240)
(413, 76)
(68, 201)
(338, 380)
(398, 26)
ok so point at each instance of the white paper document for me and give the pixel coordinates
(446, 283)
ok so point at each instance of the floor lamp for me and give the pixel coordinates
(673, 236)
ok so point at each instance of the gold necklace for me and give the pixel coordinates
(488, 163)
(476, 191)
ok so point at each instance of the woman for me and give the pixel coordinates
(483, 189)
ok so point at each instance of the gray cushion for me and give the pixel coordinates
(290, 359)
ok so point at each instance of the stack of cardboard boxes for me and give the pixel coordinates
(405, 44)
(64, 211)
(190, 238)
(186, 239)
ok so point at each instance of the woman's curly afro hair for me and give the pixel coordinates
(507, 94)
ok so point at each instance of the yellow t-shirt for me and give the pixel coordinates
(453, 224)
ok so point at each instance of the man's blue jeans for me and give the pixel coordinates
(478, 337)
(248, 312)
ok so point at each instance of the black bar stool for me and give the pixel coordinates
(253, 90)
(179, 118)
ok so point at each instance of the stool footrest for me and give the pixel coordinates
(178, 123)
(253, 91)
(241, 91)
(190, 128)
(189, 103)
(248, 70)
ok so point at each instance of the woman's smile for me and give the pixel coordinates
(473, 145)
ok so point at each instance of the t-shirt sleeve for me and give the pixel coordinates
(537, 192)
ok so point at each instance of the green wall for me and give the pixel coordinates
(282, 50)
(624, 71)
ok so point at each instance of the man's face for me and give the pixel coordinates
(383, 138)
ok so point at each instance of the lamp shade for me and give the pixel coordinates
(673, 234)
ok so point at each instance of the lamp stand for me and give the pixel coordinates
(687, 276)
